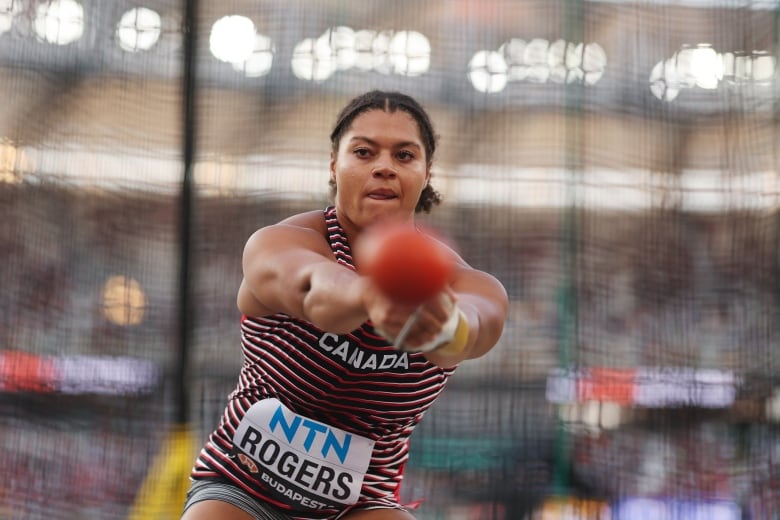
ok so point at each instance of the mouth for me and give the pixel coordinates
(382, 194)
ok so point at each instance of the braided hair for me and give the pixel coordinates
(390, 102)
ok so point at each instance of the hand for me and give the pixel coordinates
(422, 328)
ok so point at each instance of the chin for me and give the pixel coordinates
(390, 210)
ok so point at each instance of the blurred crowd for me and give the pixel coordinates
(656, 289)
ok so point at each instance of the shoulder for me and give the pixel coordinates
(303, 228)
(314, 220)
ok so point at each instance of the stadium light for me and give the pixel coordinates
(406, 53)
(704, 65)
(312, 60)
(701, 66)
(139, 29)
(379, 52)
(232, 39)
(513, 51)
(12, 160)
(488, 71)
(537, 58)
(260, 61)
(341, 44)
(409, 53)
(59, 21)
(537, 61)
(592, 61)
(8, 11)
(665, 82)
(364, 52)
(124, 300)
(757, 67)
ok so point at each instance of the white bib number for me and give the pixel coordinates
(303, 462)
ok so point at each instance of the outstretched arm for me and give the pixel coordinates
(291, 269)
(483, 302)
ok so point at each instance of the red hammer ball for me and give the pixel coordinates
(407, 265)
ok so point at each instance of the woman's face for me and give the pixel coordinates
(380, 169)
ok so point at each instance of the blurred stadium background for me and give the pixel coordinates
(615, 163)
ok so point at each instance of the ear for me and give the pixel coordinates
(332, 166)
(428, 173)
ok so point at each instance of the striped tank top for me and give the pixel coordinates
(319, 423)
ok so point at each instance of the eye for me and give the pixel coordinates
(406, 155)
(362, 152)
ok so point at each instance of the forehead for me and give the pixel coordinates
(398, 125)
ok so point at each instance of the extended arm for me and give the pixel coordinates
(291, 269)
(484, 304)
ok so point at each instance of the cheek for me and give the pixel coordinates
(344, 166)
(347, 181)
(420, 179)
(343, 174)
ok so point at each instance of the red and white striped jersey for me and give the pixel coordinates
(326, 389)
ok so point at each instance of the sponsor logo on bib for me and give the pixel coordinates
(303, 462)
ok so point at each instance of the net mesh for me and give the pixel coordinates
(613, 163)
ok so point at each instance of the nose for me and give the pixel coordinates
(384, 167)
(385, 172)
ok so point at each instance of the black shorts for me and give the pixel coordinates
(218, 489)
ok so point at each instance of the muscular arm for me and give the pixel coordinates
(484, 303)
(290, 268)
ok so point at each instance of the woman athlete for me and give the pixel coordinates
(319, 423)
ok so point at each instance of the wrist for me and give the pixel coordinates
(452, 338)
(459, 338)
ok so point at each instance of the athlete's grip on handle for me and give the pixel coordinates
(451, 340)
(410, 267)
